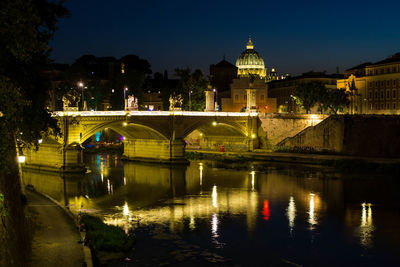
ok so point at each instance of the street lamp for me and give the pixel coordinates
(216, 99)
(292, 104)
(80, 84)
(125, 89)
(21, 158)
(190, 100)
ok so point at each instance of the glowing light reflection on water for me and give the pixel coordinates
(205, 199)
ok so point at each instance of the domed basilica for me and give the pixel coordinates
(249, 89)
(250, 63)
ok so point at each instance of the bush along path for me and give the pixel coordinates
(107, 242)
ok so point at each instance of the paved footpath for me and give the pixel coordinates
(55, 240)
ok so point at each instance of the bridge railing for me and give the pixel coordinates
(153, 113)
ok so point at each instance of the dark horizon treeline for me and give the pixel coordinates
(99, 75)
(105, 78)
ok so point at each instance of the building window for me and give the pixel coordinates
(370, 94)
(382, 95)
(394, 82)
(394, 69)
(394, 94)
(376, 94)
(382, 106)
(262, 97)
(388, 83)
(236, 97)
(387, 94)
(394, 105)
(387, 106)
(245, 97)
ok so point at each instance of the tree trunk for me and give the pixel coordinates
(14, 233)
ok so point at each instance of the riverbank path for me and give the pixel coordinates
(55, 237)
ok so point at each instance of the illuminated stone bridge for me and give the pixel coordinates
(149, 135)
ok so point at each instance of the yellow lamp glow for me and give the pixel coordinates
(214, 197)
(126, 209)
(214, 123)
(125, 123)
(21, 159)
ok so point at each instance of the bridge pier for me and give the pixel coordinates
(149, 150)
(73, 158)
(51, 156)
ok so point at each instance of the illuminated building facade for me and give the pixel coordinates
(375, 87)
(240, 94)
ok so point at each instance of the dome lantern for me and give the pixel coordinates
(249, 44)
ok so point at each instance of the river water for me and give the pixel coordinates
(230, 214)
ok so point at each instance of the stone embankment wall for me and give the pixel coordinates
(276, 127)
(359, 135)
(272, 129)
(49, 154)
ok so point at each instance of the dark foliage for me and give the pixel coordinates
(314, 93)
(26, 26)
(105, 237)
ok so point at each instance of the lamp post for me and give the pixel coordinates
(291, 105)
(190, 100)
(80, 84)
(216, 99)
(125, 89)
(21, 160)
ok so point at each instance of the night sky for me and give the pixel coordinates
(293, 36)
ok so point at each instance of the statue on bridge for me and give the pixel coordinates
(175, 102)
(133, 103)
(71, 100)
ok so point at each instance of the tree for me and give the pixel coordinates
(336, 100)
(26, 26)
(193, 85)
(308, 94)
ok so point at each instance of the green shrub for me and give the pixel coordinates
(106, 237)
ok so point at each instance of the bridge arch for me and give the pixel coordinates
(216, 128)
(128, 130)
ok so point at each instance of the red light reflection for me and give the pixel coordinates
(265, 211)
